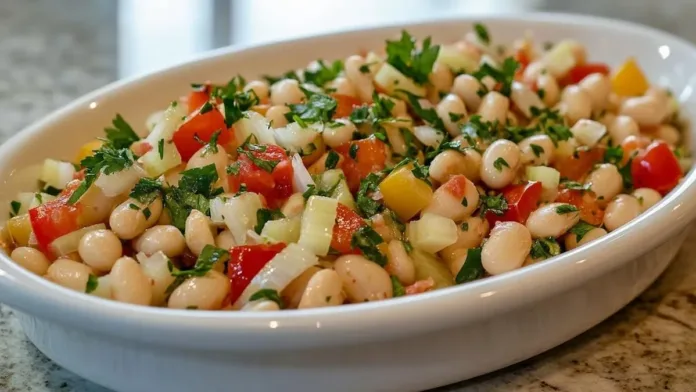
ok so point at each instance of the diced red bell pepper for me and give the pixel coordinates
(345, 105)
(522, 199)
(245, 262)
(202, 126)
(276, 185)
(522, 58)
(579, 72)
(347, 223)
(586, 202)
(55, 218)
(576, 166)
(370, 157)
(198, 97)
(657, 168)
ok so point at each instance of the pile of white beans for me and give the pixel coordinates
(354, 278)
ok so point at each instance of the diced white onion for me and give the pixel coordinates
(254, 124)
(156, 267)
(68, 243)
(525, 99)
(286, 230)
(155, 166)
(341, 191)
(115, 184)
(56, 173)
(457, 61)
(432, 233)
(30, 200)
(588, 132)
(279, 272)
(153, 119)
(168, 124)
(301, 179)
(103, 289)
(428, 135)
(548, 176)
(295, 138)
(239, 214)
(317, 224)
(560, 59)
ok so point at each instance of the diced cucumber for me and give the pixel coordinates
(286, 230)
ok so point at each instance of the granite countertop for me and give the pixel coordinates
(54, 51)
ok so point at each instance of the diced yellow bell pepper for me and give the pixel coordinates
(19, 228)
(405, 194)
(88, 149)
(629, 80)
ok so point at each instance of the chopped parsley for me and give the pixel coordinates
(353, 150)
(613, 155)
(92, 283)
(106, 160)
(472, 268)
(495, 204)
(332, 159)
(210, 255)
(541, 93)
(249, 149)
(233, 168)
(205, 108)
(234, 85)
(365, 68)
(365, 203)
(407, 59)
(580, 229)
(133, 206)
(537, 149)
(194, 191)
(366, 240)
(268, 294)
(160, 148)
(397, 287)
(428, 115)
(465, 202)
(499, 163)
(211, 147)
(319, 108)
(566, 209)
(236, 103)
(454, 117)
(49, 190)
(505, 75)
(482, 33)
(464, 226)
(323, 73)
(264, 215)
(312, 190)
(544, 248)
(14, 208)
(574, 185)
(121, 134)
(146, 190)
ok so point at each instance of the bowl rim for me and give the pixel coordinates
(33, 295)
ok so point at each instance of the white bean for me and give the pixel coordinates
(552, 220)
(276, 116)
(494, 106)
(31, 259)
(598, 87)
(292, 293)
(69, 273)
(362, 82)
(577, 104)
(534, 70)
(325, 288)
(620, 211)
(664, 96)
(448, 200)
(622, 127)
(198, 232)
(449, 163)
(206, 156)
(647, 197)
(225, 240)
(260, 88)
(499, 163)
(470, 234)
(605, 181)
(669, 134)
(95, 206)
(128, 220)
(571, 239)
(343, 86)
(100, 249)
(537, 150)
(400, 263)
(506, 248)
(129, 283)
(165, 238)
(441, 77)
(646, 110)
(261, 306)
(335, 136)
(286, 91)
(525, 99)
(453, 113)
(467, 88)
(362, 279)
(201, 292)
(549, 85)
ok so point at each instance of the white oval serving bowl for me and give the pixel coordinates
(410, 343)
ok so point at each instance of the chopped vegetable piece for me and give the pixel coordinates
(586, 202)
(245, 262)
(370, 158)
(521, 200)
(629, 80)
(404, 193)
(656, 168)
(55, 218)
(202, 126)
(347, 224)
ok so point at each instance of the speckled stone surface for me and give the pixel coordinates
(52, 51)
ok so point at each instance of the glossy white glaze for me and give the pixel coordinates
(404, 344)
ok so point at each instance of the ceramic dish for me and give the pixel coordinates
(410, 343)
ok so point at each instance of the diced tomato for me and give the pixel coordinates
(657, 168)
(632, 145)
(55, 218)
(198, 97)
(245, 262)
(586, 202)
(203, 126)
(345, 105)
(79, 175)
(276, 185)
(576, 166)
(579, 72)
(347, 223)
(456, 186)
(370, 157)
(522, 199)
